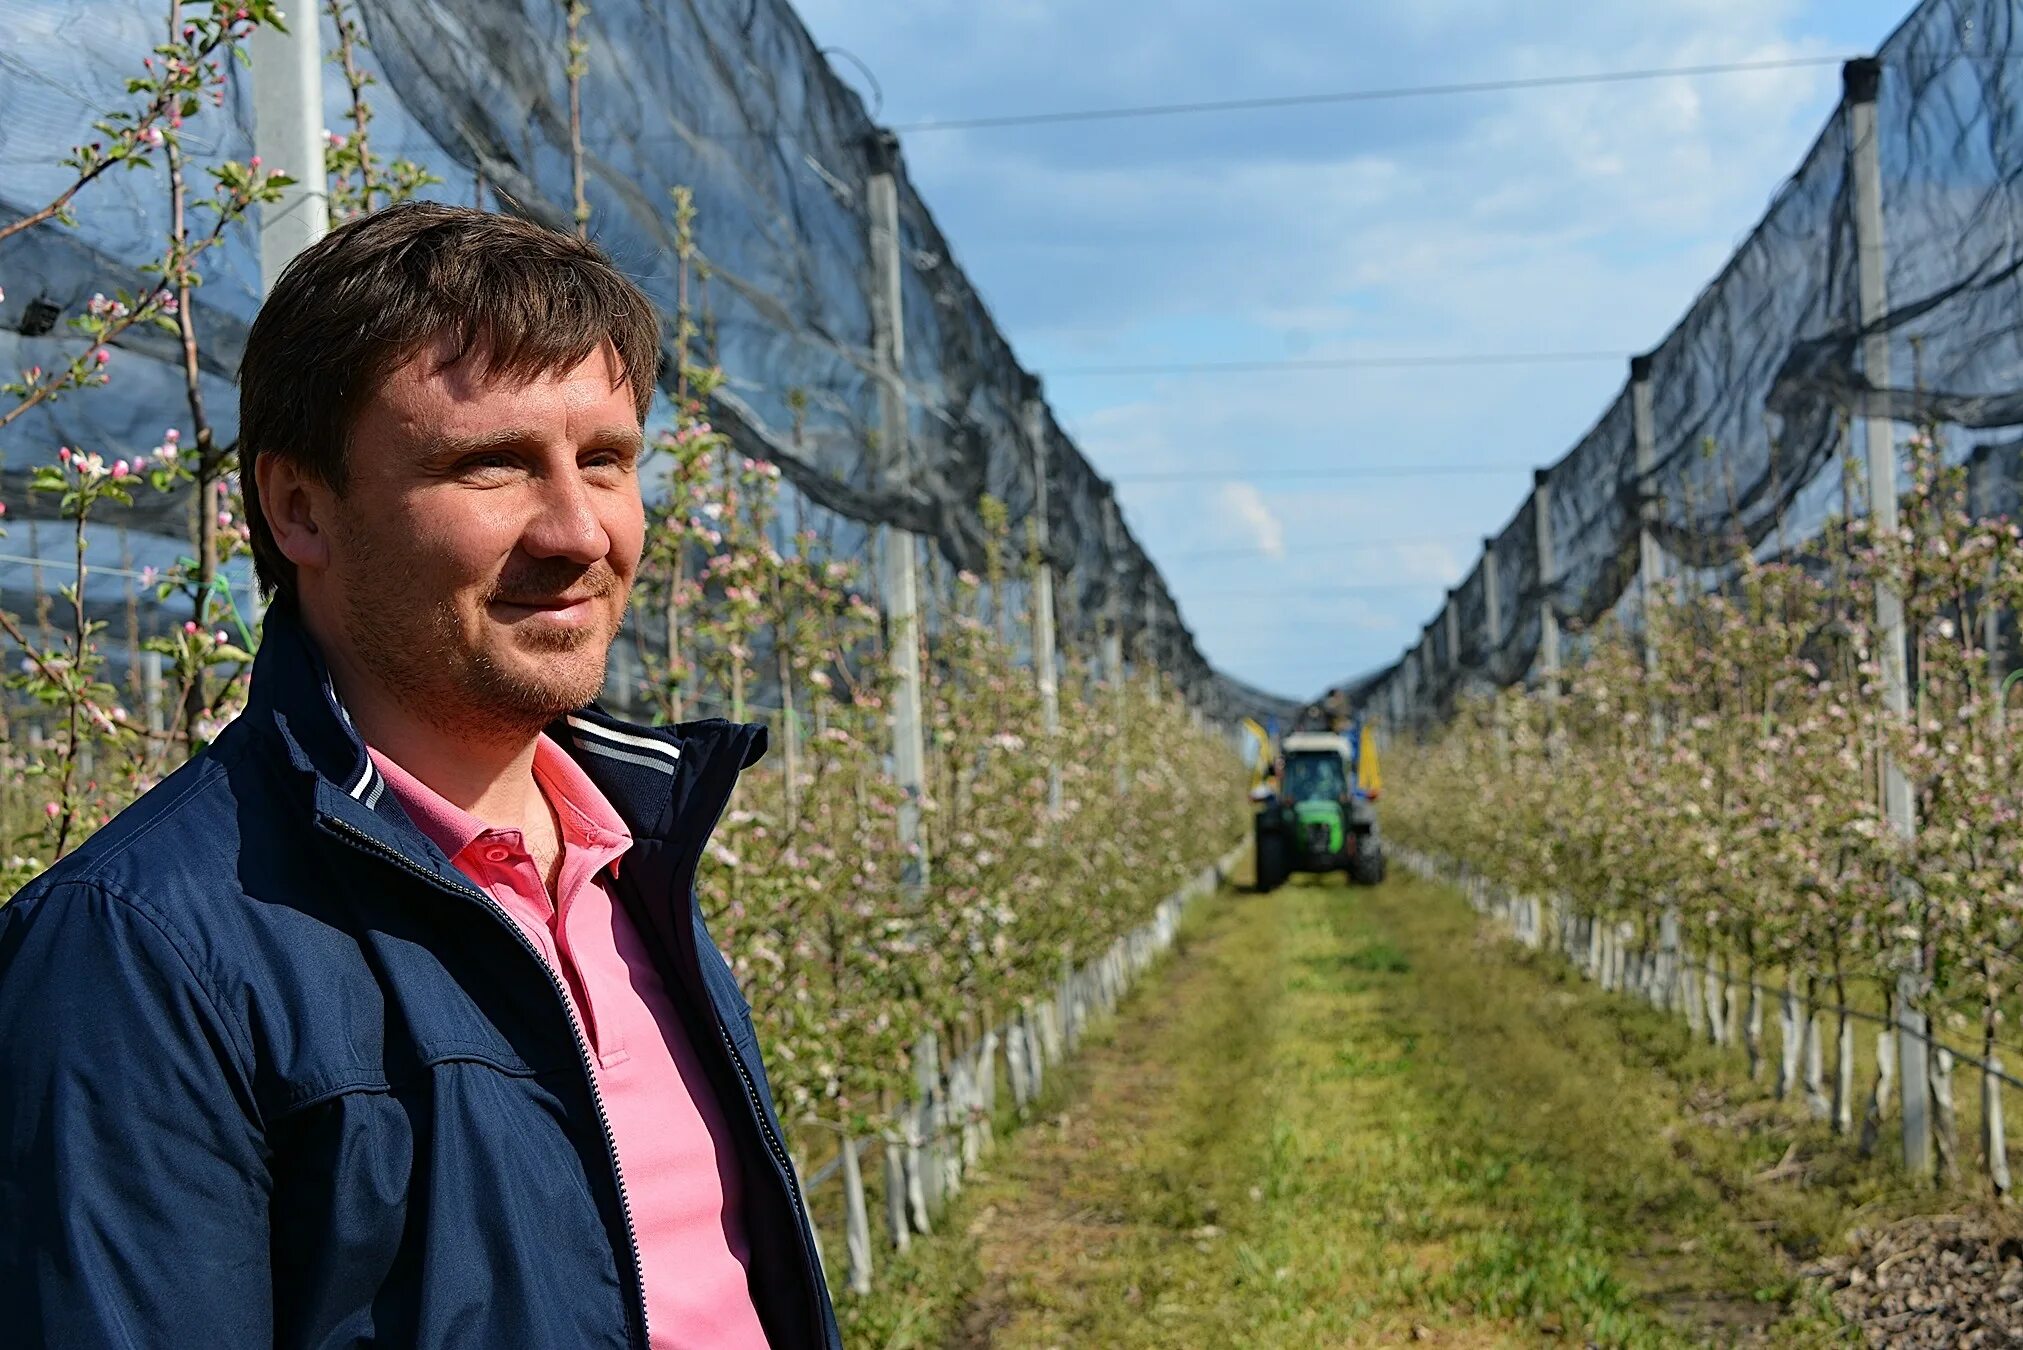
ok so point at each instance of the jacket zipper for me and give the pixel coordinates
(779, 1149)
(576, 1034)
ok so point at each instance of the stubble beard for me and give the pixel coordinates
(415, 645)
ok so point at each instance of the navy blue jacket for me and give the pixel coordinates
(272, 1072)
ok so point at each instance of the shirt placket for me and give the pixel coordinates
(516, 883)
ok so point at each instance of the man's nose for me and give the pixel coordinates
(565, 523)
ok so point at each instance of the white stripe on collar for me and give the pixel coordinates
(624, 738)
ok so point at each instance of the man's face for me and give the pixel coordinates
(484, 546)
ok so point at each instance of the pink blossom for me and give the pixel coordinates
(120, 468)
(190, 627)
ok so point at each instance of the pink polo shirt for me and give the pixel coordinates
(676, 1156)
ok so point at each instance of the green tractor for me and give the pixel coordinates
(1320, 817)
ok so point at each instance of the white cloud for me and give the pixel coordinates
(1243, 506)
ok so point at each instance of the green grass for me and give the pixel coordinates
(1348, 1117)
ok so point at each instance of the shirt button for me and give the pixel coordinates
(497, 854)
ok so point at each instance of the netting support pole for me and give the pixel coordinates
(1861, 82)
(288, 136)
(1113, 636)
(1148, 645)
(1548, 618)
(1650, 562)
(1035, 416)
(1492, 603)
(1453, 620)
(901, 584)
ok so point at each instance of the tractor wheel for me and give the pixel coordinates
(1366, 868)
(1272, 864)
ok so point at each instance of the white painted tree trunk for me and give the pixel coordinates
(1994, 1146)
(986, 1085)
(1816, 1100)
(1945, 1119)
(1015, 1066)
(898, 1226)
(1789, 1047)
(1691, 987)
(1843, 1074)
(1879, 1098)
(917, 1168)
(1752, 1031)
(856, 1221)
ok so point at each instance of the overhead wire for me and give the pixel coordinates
(1374, 95)
(1408, 361)
(1336, 471)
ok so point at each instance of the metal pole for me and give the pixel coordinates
(1035, 417)
(1548, 618)
(1650, 562)
(1861, 82)
(902, 598)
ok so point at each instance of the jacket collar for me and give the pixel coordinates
(668, 783)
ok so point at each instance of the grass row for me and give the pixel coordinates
(1341, 1118)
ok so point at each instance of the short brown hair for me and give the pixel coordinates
(362, 301)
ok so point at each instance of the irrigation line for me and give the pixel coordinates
(1878, 1019)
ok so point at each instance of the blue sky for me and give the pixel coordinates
(1557, 220)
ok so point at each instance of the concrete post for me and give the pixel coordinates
(1148, 636)
(1861, 81)
(1548, 570)
(1113, 636)
(154, 692)
(1035, 418)
(1650, 562)
(1453, 621)
(901, 585)
(288, 136)
(1492, 601)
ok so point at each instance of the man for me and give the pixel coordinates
(391, 1017)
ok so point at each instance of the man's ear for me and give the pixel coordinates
(297, 507)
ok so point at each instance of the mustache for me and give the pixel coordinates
(551, 579)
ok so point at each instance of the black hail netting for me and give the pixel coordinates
(728, 97)
(1753, 390)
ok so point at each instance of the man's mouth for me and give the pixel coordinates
(564, 609)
